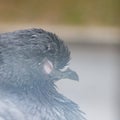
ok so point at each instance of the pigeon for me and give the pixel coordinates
(31, 62)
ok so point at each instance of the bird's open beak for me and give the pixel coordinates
(70, 74)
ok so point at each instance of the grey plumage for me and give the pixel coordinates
(30, 63)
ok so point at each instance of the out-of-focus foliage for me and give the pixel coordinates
(61, 11)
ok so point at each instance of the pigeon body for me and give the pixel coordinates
(31, 61)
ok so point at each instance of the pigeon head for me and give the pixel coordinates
(31, 61)
(32, 57)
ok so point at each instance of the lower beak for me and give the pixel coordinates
(70, 74)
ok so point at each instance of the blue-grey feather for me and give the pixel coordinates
(26, 92)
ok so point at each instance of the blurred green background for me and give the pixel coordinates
(71, 12)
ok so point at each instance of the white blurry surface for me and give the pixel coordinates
(98, 69)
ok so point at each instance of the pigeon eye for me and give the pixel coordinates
(48, 47)
(48, 67)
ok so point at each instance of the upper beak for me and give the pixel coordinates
(70, 74)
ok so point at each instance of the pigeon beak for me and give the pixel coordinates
(66, 74)
(70, 74)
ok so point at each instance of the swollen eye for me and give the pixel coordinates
(48, 66)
